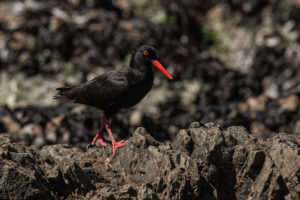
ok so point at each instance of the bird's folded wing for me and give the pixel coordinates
(102, 91)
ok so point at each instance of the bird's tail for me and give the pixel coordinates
(62, 93)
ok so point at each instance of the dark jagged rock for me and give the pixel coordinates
(203, 162)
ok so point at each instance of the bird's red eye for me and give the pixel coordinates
(146, 53)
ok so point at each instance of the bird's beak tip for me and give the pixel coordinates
(161, 68)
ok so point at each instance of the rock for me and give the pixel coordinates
(183, 142)
(21, 176)
(135, 118)
(11, 125)
(258, 103)
(203, 162)
(285, 154)
(289, 103)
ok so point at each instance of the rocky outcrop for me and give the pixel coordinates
(203, 162)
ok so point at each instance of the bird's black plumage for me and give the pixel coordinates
(116, 89)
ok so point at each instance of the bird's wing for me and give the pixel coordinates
(102, 91)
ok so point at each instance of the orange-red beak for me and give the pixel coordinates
(161, 68)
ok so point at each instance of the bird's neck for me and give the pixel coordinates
(142, 67)
(144, 71)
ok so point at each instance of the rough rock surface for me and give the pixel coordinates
(203, 162)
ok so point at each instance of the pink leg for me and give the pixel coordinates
(100, 136)
(113, 142)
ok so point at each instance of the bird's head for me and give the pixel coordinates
(147, 55)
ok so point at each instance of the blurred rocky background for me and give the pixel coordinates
(234, 62)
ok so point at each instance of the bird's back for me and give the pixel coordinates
(110, 91)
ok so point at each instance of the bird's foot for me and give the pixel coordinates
(102, 140)
(117, 145)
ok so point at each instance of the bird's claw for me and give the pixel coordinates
(101, 139)
(89, 146)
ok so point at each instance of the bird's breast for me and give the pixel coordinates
(136, 91)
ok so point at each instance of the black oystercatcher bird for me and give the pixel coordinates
(117, 89)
